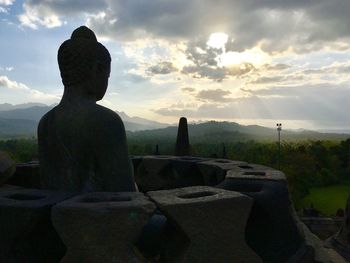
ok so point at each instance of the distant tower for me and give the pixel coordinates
(156, 152)
(224, 153)
(279, 129)
(182, 142)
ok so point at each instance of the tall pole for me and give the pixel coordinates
(279, 128)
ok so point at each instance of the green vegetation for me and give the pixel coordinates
(327, 199)
(316, 170)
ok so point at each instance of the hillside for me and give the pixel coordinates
(14, 128)
(22, 122)
(31, 113)
(221, 132)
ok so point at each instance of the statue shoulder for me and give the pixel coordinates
(109, 115)
(44, 121)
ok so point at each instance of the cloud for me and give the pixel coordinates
(6, 2)
(162, 68)
(6, 68)
(217, 95)
(24, 90)
(274, 25)
(134, 77)
(39, 15)
(217, 73)
(48, 13)
(280, 103)
(5, 82)
(266, 80)
(4, 5)
(175, 112)
(335, 68)
(277, 67)
(188, 89)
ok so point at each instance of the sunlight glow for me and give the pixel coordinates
(217, 40)
(254, 56)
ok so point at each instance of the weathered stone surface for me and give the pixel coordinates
(27, 175)
(168, 172)
(155, 173)
(271, 228)
(321, 254)
(187, 172)
(26, 231)
(82, 145)
(7, 167)
(341, 240)
(323, 227)
(214, 221)
(102, 226)
(182, 147)
(255, 172)
(214, 171)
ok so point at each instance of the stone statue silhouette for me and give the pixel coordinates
(82, 145)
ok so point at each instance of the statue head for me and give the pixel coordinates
(84, 62)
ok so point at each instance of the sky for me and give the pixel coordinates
(249, 61)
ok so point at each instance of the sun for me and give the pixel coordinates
(217, 40)
(229, 58)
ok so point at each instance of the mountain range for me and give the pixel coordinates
(22, 120)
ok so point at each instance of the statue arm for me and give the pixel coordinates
(113, 165)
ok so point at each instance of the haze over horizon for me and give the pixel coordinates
(251, 62)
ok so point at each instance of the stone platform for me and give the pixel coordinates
(189, 209)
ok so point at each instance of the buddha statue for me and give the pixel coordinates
(82, 145)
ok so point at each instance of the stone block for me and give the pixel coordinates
(102, 226)
(155, 173)
(7, 168)
(213, 220)
(255, 172)
(214, 171)
(340, 242)
(272, 230)
(187, 172)
(26, 175)
(26, 231)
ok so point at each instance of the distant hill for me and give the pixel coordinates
(13, 128)
(33, 113)
(8, 106)
(137, 123)
(23, 117)
(221, 132)
(21, 121)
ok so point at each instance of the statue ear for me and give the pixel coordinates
(102, 68)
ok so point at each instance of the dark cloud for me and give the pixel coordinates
(162, 68)
(67, 7)
(304, 25)
(217, 73)
(214, 73)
